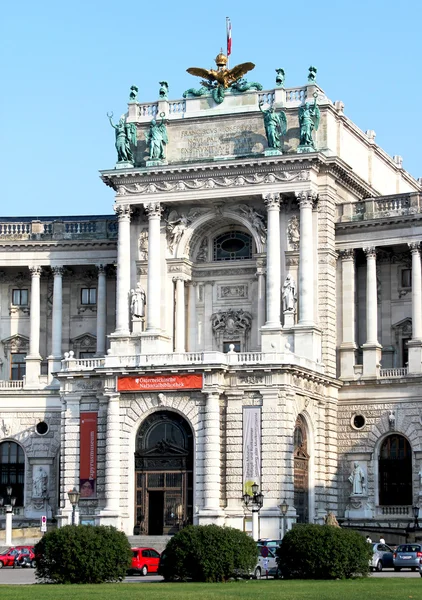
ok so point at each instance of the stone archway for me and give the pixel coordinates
(395, 471)
(163, 474)
(301, 471)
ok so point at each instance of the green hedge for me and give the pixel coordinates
(82, 554)
(208, 553)
(323, 552)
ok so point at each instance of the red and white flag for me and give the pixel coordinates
(229, 36)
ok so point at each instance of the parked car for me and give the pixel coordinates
(266, 562)
(382, 557)
(144, 561)
(8, 557)
(407, 556)
(272, 543)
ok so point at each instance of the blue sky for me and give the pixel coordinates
(64, 65)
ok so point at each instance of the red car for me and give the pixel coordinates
(144, 561)
(7, 558)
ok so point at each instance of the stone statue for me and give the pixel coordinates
(256, 220)
(309, 117)
(202, 255)
(133, 95)
(279, 80)
(312, 75)
(392, 420)
(164, 90)
(125, 138)
(40, 484)
(289, 294)
(330, 519)
(176, 226)
(275, 126)
(357, 479)
(157, 139)
(293, 232)
(143, 245)
(138, 301)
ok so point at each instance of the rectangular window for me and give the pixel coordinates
(20, 297)
(18, 366)
(89, 296)
(86, 354)
(406, 278)
(226, 346)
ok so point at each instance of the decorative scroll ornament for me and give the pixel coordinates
(211, 183)
(231, 322)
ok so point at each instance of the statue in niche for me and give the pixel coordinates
(357, 479)
(280, 77)
(392, 420)
(143, 245)
(137, 301)
(157, 139)
(312, 74)
(256, 220)
(125, 138)
(40, 484)
(293, 232)
(309, 117)
(202, 255)
(289, 294)
(275, 126)
(164, 90)
(176, 226)
(133, 94)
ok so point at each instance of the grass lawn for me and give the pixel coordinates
(362, 589)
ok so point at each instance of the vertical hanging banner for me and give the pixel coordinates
(88, 454)
(251, 448)
(229, 36)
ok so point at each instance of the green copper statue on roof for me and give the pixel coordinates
(275, 126)
(125, 139)
(309, 117)
(157, 139)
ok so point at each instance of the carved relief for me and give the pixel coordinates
(232, 291)
(256, 220)
(293, 232)
(202, 254)
(143, 245)
(15, 343)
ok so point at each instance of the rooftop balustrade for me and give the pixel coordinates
(61, 228)
(381, 207)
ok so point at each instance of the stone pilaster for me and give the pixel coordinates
(192, 316)
(154, 211)
(123, 271)
(415, 344)
(272, 202)
(371, 348)
(110, 514)
(101, 311)
(70, 454)
(260, 274)
(180, 326)
(54, 359)
(33, 360)
(348, 343)
(306, 259)
(270, 462)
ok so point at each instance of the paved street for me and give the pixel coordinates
(27, 576)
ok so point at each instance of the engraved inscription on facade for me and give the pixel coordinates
(221, 141)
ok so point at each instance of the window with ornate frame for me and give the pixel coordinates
(232, 245)
(17, 366)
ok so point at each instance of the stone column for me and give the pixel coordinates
(123, 271)
(306, 259)
(192, 317)
(154, 267)
(33, 359)
(415, 344)
(110, 514)
(101, 311)
(54, 359)
(212, 451)
(348, 343)
(272, 202)
(371, 348)
(180, 329)
(260, 273)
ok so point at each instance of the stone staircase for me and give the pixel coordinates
(158, 542)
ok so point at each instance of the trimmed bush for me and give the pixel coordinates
(323, 552)
(208, 553)
(82, 554)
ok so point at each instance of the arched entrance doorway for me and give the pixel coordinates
(301, 471)
(163, 474)
(395, 471)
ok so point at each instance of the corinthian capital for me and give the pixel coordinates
(306, 198)
(123, 211)
(153, 209)
(370, 251)
(35, 271)
(348, 254)
(414, 247)
(272, 201)
(57, 271)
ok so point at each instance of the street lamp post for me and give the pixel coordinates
(284, 507)
(10, 503)
(415, 510)
(254, 504)
(74, 496)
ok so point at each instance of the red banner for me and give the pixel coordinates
(159, 382)
(88, 454)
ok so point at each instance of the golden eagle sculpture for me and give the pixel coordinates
(217, 81)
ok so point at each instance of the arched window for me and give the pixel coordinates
(233, 245)
(395, 471)
(301, 471)
(12, 470)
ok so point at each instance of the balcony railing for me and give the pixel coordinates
(381, 207)
(394, 511)
(393, 372)
(11, 384)
(46, 229)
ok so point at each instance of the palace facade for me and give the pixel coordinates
(247, 315)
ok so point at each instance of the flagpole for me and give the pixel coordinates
(229, 39)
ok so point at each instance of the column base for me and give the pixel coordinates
(347, 360)
(415, 356)
(54, 366)
(122, 346)
(371, 360)
(211, 516)
(64, 517)
(308, 342)
(272, 339)
(33, 371)
(154, 342)
(359, 508)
